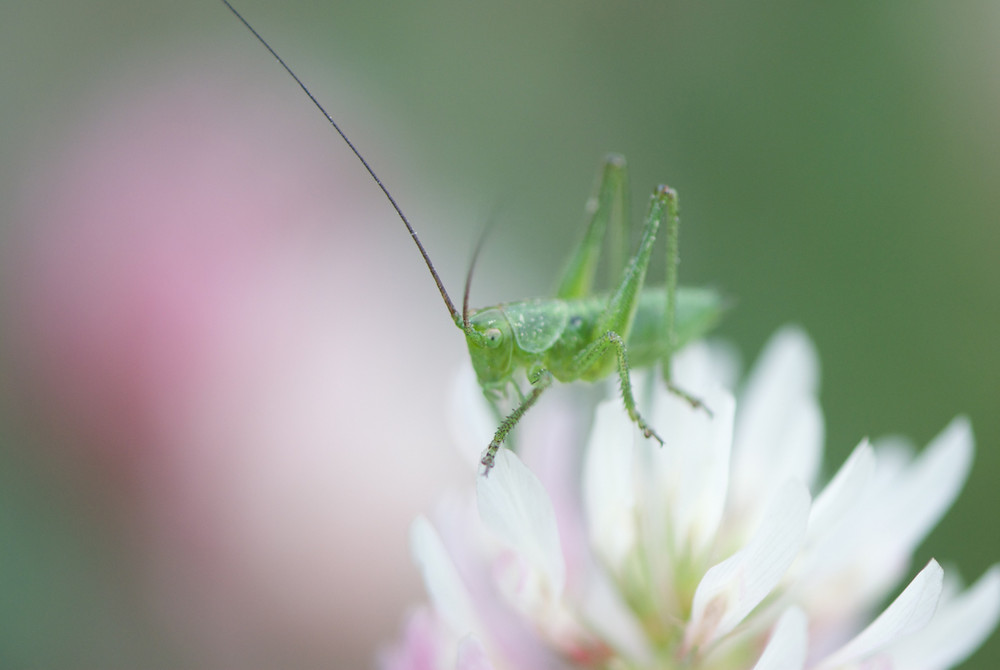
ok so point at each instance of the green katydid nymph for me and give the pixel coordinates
(578, 334)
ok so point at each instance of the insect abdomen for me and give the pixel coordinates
(697, 312)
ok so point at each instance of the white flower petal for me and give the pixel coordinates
(801, 447)
(901, 503)
(788, 359)
(733, 588)
(959, 626)
(682, 486)
(843, 491)
(908, 613)
(779, 427)
(930, 486)
(685, 482)
(605, 612)
(702, 367)
(702, 469)
(471, 655)
(447, 592)
(786, 650)
(608, 485)
(514, 505)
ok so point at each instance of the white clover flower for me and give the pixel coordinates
(716, 551)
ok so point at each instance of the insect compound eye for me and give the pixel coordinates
(493, 337)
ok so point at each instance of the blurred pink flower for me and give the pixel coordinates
(204, 314)
(717, 550)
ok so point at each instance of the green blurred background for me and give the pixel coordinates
(837, 166)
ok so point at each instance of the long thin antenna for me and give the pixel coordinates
(456, 317)
(472, 268)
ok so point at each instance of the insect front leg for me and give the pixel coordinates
(540, 380)
(592, 354)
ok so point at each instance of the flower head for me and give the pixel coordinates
(718, 550)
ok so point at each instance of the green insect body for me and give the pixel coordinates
(580, 334)
(548, 333)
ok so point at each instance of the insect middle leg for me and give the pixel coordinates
(669, 332)
(615, 322)
(593, 353)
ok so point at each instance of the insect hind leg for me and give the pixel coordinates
(609, 210)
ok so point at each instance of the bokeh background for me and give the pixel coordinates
(224, 372)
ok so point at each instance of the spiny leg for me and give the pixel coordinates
(493, 399)
(670, 310)
(615, 321)
(608, 206)
(593, 353)
(696, 403)
(620, 310)
(540, 380)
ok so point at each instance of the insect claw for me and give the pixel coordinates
(650, 433)
(487, 462)
(696, 403)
